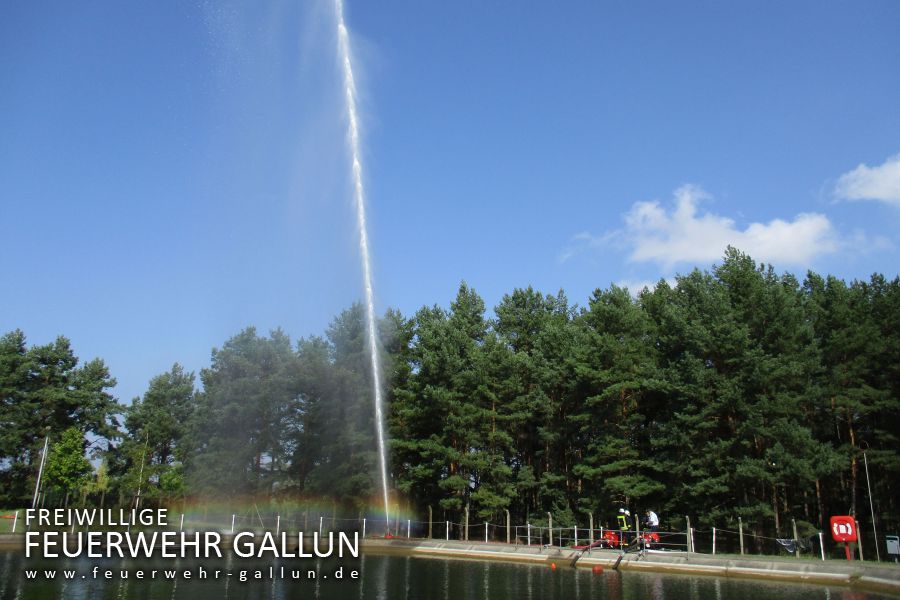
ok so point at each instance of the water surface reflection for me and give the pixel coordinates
(381, 577)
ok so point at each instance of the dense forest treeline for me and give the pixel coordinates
(736, 392)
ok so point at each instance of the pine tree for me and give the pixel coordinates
(238, 433)
(158, 440)
(619, 372)
(45, 392)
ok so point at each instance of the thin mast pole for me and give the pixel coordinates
(137, 500)
(871, 508)
(37, 486)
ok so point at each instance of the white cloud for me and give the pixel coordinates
(688, 235)
(872, 183)
(582, 241)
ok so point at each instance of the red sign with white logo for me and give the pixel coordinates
(843, 529)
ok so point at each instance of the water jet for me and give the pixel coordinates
(359, 200)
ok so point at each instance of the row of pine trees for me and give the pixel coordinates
(734, 392)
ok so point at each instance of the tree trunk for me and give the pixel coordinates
(820, 502)
(775, 509)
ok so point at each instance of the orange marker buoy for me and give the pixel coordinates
(598, 569)
(552, 566)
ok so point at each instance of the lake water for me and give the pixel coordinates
(380, 577)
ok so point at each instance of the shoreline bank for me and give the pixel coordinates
(872, 577)
(863, 577)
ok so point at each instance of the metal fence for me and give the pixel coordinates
(712, 540)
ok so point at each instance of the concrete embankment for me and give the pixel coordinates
(869, 576)
(862, 576)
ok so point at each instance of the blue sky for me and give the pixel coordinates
(173, 172)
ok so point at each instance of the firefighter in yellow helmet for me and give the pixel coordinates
(624, 519)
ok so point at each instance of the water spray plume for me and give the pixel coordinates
(360, 197)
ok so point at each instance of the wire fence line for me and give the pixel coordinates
(711, 540)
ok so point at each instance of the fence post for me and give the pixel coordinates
(408, 528)
(859, 540)
(741, 533)
(485, 532)
(277, 524)
(550, 527)
(320, 525)
(714, 541)
(15, 520)
(232, 523)
(689, 535)
(529, 533)
(822, 545)
(430, 515)
(507, 527)
(637, 524)
(447, 529)
(591, 517)
(576, 535)
(364, 528)
(181, 527)
(796, 539)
